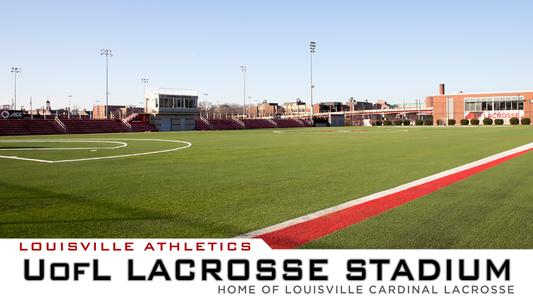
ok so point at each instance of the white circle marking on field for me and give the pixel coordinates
(186, 145)
(120, 145)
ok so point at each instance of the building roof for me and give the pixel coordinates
(173, 91)
(484, 93)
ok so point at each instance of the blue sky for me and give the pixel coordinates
(393, 50)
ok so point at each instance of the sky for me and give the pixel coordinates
(393, 50)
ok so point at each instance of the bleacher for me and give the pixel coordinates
(225, 124)
(288, 123)
(50, 126)
(202, 125)
(27, 127)
(13, 127)
(307, 122)
(142, 127)
(41, 126)
(94, 126)
(257, 123)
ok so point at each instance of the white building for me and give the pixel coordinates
(172, 109)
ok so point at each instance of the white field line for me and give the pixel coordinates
(120, 145)
(339, 131)
(377, 195)
(27, 159)
(187, 145)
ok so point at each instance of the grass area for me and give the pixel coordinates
(231, 182)
(493, 209)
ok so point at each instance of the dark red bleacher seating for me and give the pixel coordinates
(94, 126)
(257, 123)
(28, 127)
(141, 127)
(41, 126)
(225, 124)
(201, 125)
(306, 122)
(288, 123)
(13, 127)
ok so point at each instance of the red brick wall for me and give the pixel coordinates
(439, 104)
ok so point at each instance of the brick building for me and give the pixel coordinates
(494, 105)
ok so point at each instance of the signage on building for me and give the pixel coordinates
(506, 115)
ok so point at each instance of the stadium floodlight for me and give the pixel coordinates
(15, 71)
(69, 100)
(243, 70)
(205, 106)
(312, 47)
(144, 81)
(107, 53)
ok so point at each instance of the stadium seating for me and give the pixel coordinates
(202, 124)
(94, 126)
(289, 123)
(141, 127)
(13, 127)
(257, 123)
(27, 127)
(307, 123)
(41, 126)
(49, 126)
(225, 124)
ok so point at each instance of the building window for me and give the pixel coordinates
(494, 103)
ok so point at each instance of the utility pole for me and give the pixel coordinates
(107, 53)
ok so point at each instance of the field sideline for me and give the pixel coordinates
(232, 182)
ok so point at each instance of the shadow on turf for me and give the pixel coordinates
(26, 198)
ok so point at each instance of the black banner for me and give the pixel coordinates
(11, 114)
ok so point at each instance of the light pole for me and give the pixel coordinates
(243, 70)
(312, 47)
(144, 81)
(250, 101)
(15, 71)
(107, 53)
(205, 105)
(69, 100)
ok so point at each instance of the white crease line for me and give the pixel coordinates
(120, 145)
(187, 145)
(377, 195)
(27, 159)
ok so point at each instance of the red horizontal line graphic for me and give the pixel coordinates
(308, 230)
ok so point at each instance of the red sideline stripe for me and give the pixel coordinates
(301, 233)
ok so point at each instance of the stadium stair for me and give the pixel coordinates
(203, 124)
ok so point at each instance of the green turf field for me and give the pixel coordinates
(231, 182)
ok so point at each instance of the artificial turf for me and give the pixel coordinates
(232, 182)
